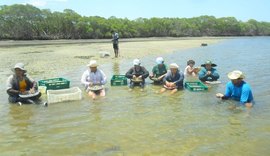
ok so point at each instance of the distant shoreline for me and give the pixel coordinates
(8, 43)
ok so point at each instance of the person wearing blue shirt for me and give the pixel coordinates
(208, 73)
(237, 89)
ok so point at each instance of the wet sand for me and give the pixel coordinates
(45, 59)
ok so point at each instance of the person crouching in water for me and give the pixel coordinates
(159, 71)
(208, 73)
(237, 89)
(92, 78)
(174, 79)
(21, 84)
(137, 75)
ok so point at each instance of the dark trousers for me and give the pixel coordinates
(14, 99)
(132, 84)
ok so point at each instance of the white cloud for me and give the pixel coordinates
(41, 3)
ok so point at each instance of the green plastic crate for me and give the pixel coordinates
(55, 83)
(118, 80)
(196, 86)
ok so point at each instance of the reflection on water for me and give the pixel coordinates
(116, 68)
(147, 123)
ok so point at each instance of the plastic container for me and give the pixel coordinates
(70, 94)
(118, 80)
(55, 83)
(196, 86)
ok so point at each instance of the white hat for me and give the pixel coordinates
(136, 62)
(19, 66)
(236, 74)
(92, 63)
(159, 60)
(174, 65)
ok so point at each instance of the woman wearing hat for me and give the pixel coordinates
(159, 71)
(94, 78)
(237, 89)
(173, 79)
(137, 72)
(21, 84)
(208, 73)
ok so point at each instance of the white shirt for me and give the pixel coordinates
(97, 77)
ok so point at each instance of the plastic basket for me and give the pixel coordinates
(196, 86)
(70, 94)
(55, 83)
(118, 80)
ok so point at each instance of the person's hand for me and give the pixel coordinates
(134, 76)
(32, 90)
(151, 75)
(140, 76)
(208, 73)
(219, 95)
(91, 83)
(173, 84)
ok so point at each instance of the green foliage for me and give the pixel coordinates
(26, 22)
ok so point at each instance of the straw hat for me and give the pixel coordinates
(236, 74)
(136, 62)
(159, 60)
(174, 66)
(92, 63)
(19, 66)
(209, 62)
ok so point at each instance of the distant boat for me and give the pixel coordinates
(204, 44)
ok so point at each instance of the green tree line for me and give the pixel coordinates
(26, 22)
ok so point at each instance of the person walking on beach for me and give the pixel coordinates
(237, 89)
(208, 73)
(20, 84)
(137, 74)
(94, 80)
(115, 41)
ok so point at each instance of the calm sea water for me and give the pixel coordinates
(146, 123)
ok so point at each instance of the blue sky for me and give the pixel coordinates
(241, 9)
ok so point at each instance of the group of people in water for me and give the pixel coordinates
(170, 77)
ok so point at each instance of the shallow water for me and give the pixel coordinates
(146, 123)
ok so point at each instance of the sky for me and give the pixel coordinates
(240, 9)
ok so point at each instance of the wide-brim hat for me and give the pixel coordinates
(174, 66)
(236, 74)
(19, 66)
(209, 62)
(92, 63)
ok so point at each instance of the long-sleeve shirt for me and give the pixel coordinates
(203, 76)
(97, 77)
(158, 71)
(141, 72)
(240, 93)
(177, 78)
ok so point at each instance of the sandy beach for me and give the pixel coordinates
(49, 58)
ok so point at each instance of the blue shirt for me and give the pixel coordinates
(178, 78)
(240, 93)
(212, 77)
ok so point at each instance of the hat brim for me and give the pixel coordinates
(92, 65)
(232, 76)
(13, 69)
(213, 65)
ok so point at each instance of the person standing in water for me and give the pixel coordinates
(115, 41)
